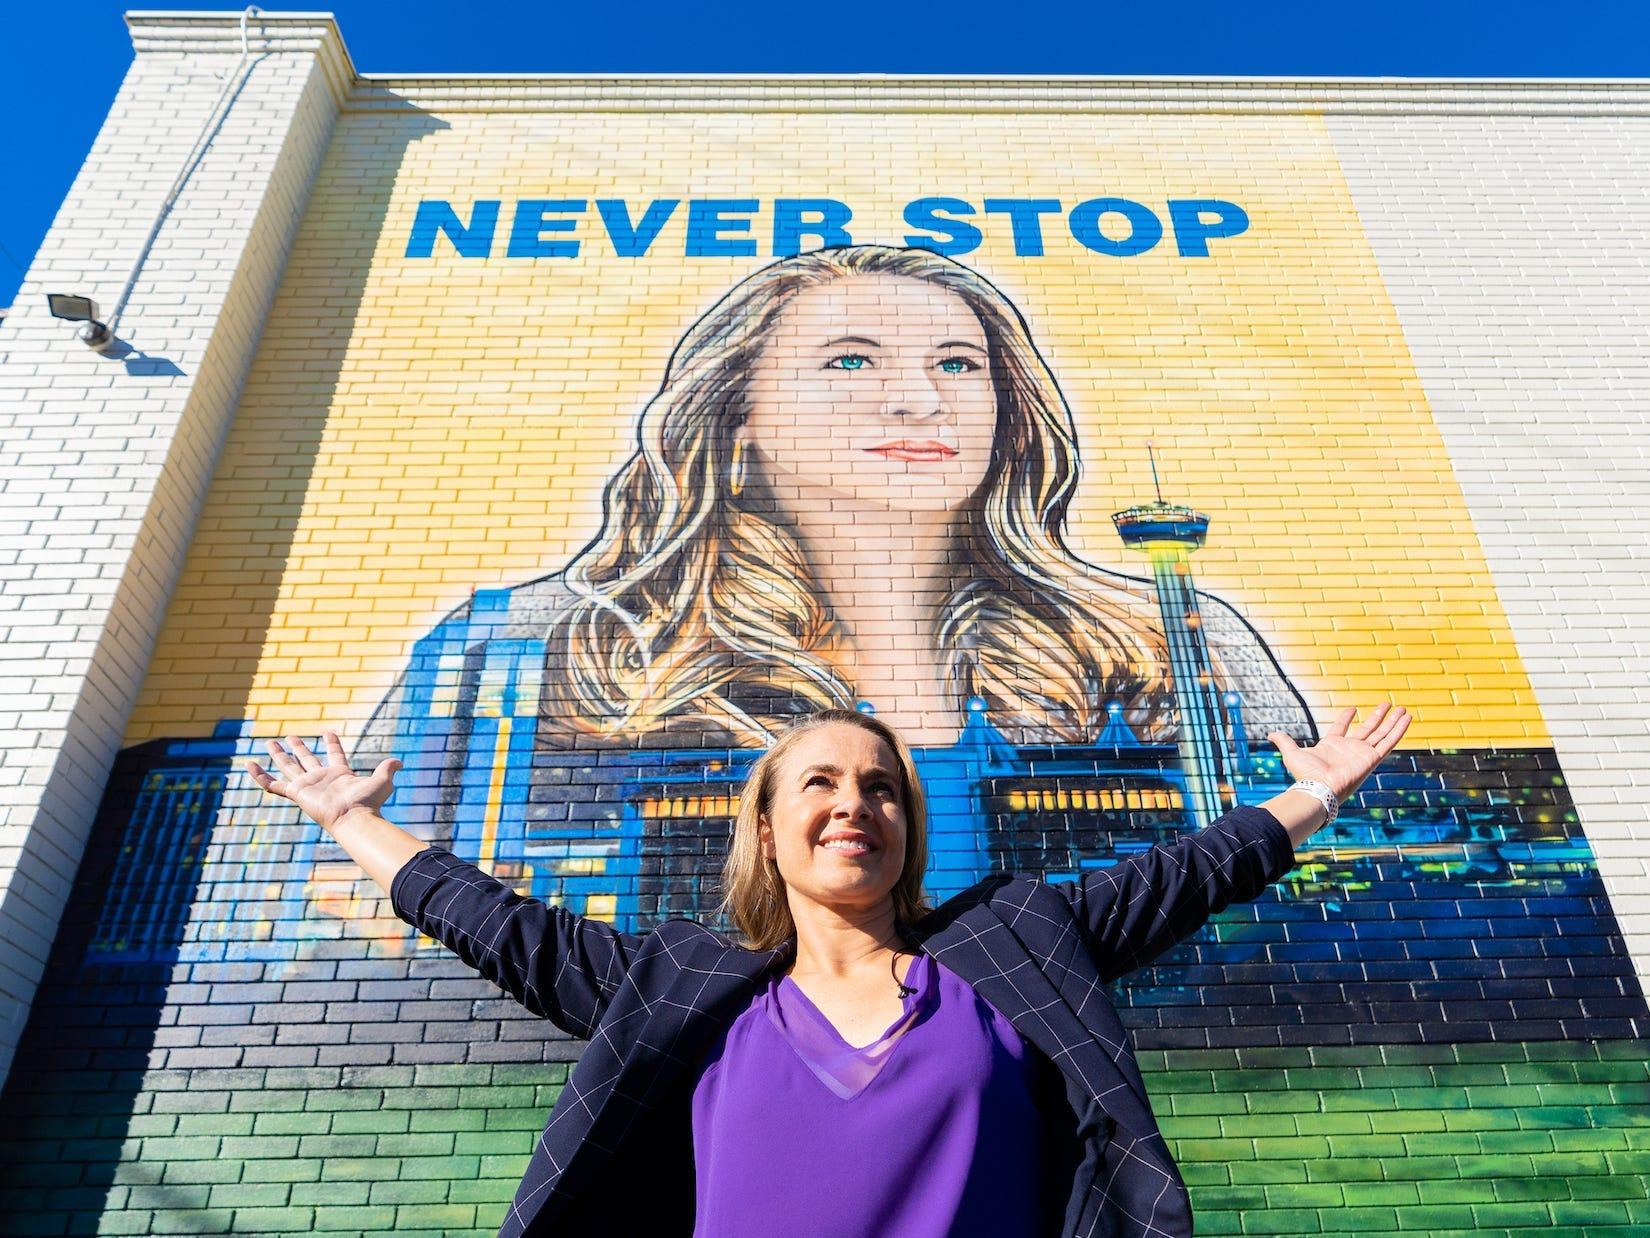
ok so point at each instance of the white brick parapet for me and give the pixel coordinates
(108, 458)
(874, 92)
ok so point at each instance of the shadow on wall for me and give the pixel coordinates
(140, 364)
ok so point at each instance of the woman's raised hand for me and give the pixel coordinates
(1340, 760)
(324, 792)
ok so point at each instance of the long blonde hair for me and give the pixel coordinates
(695, 610)
(753, 895)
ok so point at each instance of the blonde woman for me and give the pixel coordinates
(858, 1066)
(852, 485)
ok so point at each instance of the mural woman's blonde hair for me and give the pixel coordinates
(695, 609)
(753, 895)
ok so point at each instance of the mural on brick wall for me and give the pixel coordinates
(850, 490)
(1088, 483)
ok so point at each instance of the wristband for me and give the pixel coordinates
(1322, 792)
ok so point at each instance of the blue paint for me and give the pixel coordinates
(790, 224)
(956, 237)
(715, 228)
(536, 216)
(724, 227)
(633, 240)
(470, 240)
(1192, 231)
(1025, 216)
(1145, 228)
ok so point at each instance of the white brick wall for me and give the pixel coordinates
(108, 458)
(1517, 252)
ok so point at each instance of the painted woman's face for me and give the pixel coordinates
(876, 388)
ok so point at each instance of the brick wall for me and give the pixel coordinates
(109, 457)
(1404, 396)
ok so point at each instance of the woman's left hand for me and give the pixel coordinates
(1343, 761)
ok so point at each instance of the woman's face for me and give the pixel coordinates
(838, 782)
(877, 388)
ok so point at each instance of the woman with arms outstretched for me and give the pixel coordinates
(857, 1064)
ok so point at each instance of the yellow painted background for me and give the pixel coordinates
(414, 428)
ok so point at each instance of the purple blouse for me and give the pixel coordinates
(930, 1130)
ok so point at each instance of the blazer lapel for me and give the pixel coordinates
(714, 983)
(717, 983)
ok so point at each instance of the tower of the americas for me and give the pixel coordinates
(1168, 534)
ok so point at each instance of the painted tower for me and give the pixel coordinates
(1168, 534)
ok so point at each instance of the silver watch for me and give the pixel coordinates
(1320, 791)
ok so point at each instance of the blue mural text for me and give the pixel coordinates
(735, 227)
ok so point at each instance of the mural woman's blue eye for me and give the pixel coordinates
(849, 360)
(958, 365)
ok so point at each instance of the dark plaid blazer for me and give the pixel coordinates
(616, 1155)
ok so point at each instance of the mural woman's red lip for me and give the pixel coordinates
(907, 450)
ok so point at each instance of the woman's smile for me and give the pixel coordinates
(848, 842)
(851, 850)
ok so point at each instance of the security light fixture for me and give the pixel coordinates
(83, 310)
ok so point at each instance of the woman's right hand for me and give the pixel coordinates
(324, 792)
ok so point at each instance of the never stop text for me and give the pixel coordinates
(736, 227)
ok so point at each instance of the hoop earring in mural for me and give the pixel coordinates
(736, 469)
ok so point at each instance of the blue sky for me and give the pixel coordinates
(61, 63)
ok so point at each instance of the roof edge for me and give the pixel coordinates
(229, 21)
